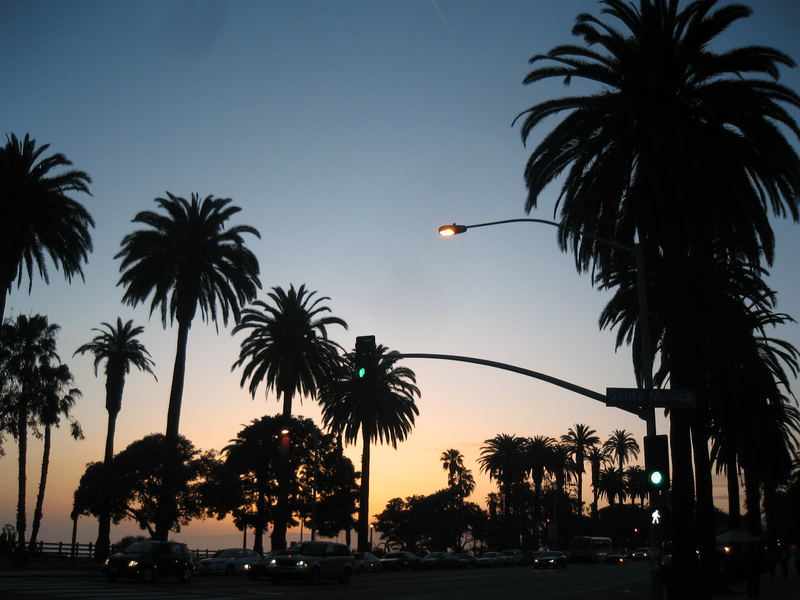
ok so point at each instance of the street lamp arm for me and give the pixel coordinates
(455, 229)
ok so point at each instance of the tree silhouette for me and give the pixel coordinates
(379, 406)
(579, 438)
(39, 217)
(623, 446)
(118, 347)
(287, 348)
(186, 259)
(683, 150)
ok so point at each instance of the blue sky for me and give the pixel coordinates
(347, 132)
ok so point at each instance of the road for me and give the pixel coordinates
(595, 582)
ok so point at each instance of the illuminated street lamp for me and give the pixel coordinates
(641, 281)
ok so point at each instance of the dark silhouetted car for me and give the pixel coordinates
(150, 559)
(514, 557)
(228, 561)
(312, 561)
(400, 561)
(492, 559)
(550, 560)
(366, 562)
(439, 560)
(617, 557)
(466, 560)
(642, 553)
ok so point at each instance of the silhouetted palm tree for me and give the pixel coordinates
(27, 346)
(458, 476)
(579, 439)
(537, 455)
(623, 446)
(682, 150)
(612, 485)
(39, 217)
(119, 348)
(287, 348)
(56, 401)
(187, 259)
(598, 458)
(636, 483)
(379, 406)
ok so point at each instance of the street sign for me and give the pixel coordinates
(637, 397)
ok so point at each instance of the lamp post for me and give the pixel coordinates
(641, 284)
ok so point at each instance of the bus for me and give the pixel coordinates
(589, 548)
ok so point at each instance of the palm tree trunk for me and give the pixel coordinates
(705, 497)
(103, 542)
(278, 537)
(752, 498)
(166, 511)
(37, 513)
(22, 480)
(363, 508)
(734, 502)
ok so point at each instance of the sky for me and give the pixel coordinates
(347, 132)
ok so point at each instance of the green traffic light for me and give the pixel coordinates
(656, 478)
(361, 372)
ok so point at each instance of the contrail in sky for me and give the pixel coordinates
(444, 21)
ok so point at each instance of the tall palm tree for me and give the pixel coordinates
(537, 457)
(682, 150)
(39, 217)
(56, 401)
(623, 446)
(636, 483)
(598, 458)
(186, 259)
(612, 485)
(458, 476)
(579, 438)
(27, 346)
(119, 347)
(379, 406)
(287, 348)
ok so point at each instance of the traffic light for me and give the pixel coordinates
(656, 460)
(365, 348)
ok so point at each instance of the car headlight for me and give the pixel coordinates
(246, 567)
(106, 562)
(133, 563)
(302, 564)
(272, 562)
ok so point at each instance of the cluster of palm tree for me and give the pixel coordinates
(684, 151)
(524, 467)
(183, 260)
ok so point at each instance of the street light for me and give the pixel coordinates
(641, 282)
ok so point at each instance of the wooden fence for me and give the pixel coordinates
(67, 550)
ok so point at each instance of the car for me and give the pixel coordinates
(641, 553)
(617, 557)
(229, 561)
(550, 560)
(366, 562)
(150, 559)
(312, 562)
(258, 567)
(465, 560)
(491, 559)
(514, 556)
(400, 561)
(439, 560)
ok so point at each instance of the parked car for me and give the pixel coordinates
(312, 561)
(617, 557)
(439, 560)
(366, 562)
(400, 561)
(150, 559)
(228, 561)
(642, 553)
(491, 559)
(465, 560)
(258, 567)
(550, 560)
(514, 557)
